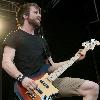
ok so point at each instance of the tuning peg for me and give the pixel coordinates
(98, 43)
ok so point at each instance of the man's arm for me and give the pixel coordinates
(7, 62)
(11, 69)
(55, 66)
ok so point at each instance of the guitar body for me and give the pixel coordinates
(46, 90)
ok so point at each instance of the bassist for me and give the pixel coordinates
(24, 56)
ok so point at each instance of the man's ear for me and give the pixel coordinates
(25, 16)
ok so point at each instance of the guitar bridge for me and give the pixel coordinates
(30, 95)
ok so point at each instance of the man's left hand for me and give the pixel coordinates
(82, 54)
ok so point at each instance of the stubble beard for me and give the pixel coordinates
(34, 23)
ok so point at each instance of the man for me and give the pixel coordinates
(25, 53)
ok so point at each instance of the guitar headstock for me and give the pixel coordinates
(90, 45)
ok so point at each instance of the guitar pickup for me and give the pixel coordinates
(44, 84)
(39, 90)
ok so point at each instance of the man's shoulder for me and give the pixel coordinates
(14, 33)
(17, 31)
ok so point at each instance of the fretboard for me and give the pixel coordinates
(61, 69)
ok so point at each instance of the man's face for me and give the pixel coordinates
(34, 17)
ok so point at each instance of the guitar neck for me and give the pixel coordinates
(88, 45)
(61, 69)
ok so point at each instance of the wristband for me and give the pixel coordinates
(20, 78)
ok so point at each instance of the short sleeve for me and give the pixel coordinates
(10, 40)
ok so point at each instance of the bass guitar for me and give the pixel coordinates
(46, 90)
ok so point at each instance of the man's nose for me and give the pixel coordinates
(38, 14)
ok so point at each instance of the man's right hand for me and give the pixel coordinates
(29, 84)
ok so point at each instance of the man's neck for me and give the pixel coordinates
(28, 28)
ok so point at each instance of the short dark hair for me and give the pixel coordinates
(24, 10)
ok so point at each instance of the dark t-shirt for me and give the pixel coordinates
(31, 51)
